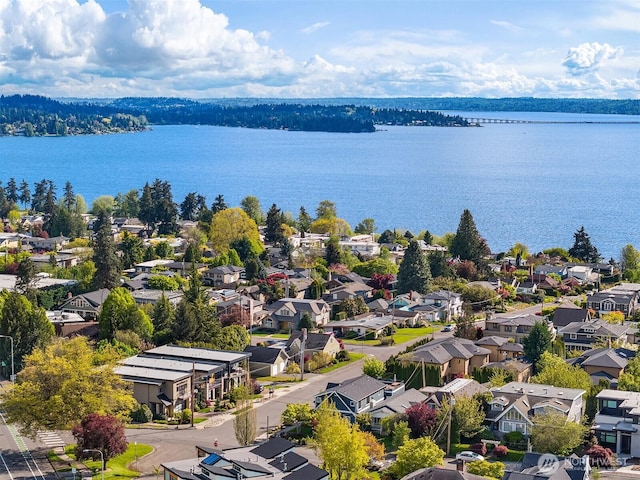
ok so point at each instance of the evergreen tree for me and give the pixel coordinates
(163, 318)
(414, 273)
(104, 256)
(26, 278)
(274, 232)
(132, 248)
(12, 191)
(304, 220)
(189, 207)
(439, 266)
(219, 204)
(536, 343)
(333, 253)
(165, 210)
(428, 237)
(468, 244)
(25, 193)
(583, 249)
(39, 196)
(50, 198)
(387, 237)
(145, 207)
(69, 199)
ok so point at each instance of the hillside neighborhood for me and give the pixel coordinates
(478, 365)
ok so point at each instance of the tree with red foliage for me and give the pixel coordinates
(600, 457)
(100, 432)
(381, 281)
(421, 419)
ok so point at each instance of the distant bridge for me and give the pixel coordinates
(478, 121)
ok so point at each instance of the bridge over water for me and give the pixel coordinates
(479, 121)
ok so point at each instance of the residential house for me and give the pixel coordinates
(367, 324)
(149, 266)
(184, 268)
(364, 245)
(358, 395)
(51, 244)
(536, 466)
(526, 288)
(605, 363)
(519, 369)
(87, 305)
(314, 342)
(223, 275)
(61, 260)
(458, 387)
(232, 371)
(286, 313)
(514, 405)
(148, 296)
(394, 405)
(71, 324)
(452, 357)
(444, 304)
(566, 314)
(274, 459)
(617, 423)
(513, 326)
(343, 291)
(585, 335)
(266, 361)
(609, 301)
(501, 348)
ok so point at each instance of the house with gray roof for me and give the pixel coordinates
(608, 301)
(617, 423)
(605, 363)
(437, 473)
(513, 405)
(367, 323)
(358, 395)
(564, 315)
(513, 326)
(274, 459)
(87, 305)
(286, 313)
(222, 275)
(584, 335)
(314, 342)
(452, 357)
(458, 387)
(266, 361)
(501, 348)
(536, 466)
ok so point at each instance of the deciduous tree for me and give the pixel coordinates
(421, 419)
(373, 367)
(415, 454)
(251, 206)
(229, 225)
(100, 432)
(62, 380)
(245, 422)
(553, 433)
(553, 370)
(120, 312)
(486, 469)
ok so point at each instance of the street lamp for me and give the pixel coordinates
(101, 457)
(13, 372)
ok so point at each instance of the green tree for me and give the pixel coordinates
(553, 370)
(234, 338)
(219, 204)
(120, 312)
(24, 193)
(630, 263)
(326, 209)
(251, 206)
(127, 205)
(132, 248)
(274, 232)
(69, 198)
(333, 252)
(414, 273)
(375, 266)
(66, 385)
(26, 278)
(553, 433)
(467, 416)
(304, 220)
(486, 469)
(373, 367)
(353, 306)
(106, 260)
(401, 433)
(366, 226)
(305, 322)
(104, 204)
(26, 324)
(468, 244)
(297, 412)
(415, 454)
(537, 342)
(163, 318)
(629, 380)
(582, 248)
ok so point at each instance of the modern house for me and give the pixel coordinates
(513, 405)
(605, 363)
(175, 371)
(274, 459)
(286, 313)
(564, 315)
(501, 348)
(617, 423)
(222, 275)
(358, 395)
(584, 335)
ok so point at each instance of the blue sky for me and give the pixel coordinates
(321, 48)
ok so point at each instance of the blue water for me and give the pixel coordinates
(530, 183)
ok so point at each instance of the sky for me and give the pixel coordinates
(321, 48)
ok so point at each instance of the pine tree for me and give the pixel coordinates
(304, 220)
(583, 249)
(414, 273)
(333, 253)
(274, 231)
(25, 193)
(536, 343)
(69, 199)
(468, 244)
(12, 191)
(104, 256)
(219, 204)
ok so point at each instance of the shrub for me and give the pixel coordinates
(480, 448)
(484, 434)
(513, 439)
(343, 356)
(143, 414)
(387, 341)
(500, 451)
(185, 416)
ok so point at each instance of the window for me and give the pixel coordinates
(607, 437)
(507, 328)
(572, 336)
(609, 404)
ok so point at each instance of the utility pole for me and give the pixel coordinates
(303, 342)
(424, 379)
(451, 404)
(193, 391)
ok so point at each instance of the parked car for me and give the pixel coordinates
(449, 328)
(468, 456)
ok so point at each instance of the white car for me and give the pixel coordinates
(468, 456)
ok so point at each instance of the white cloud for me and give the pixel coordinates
(506, 25)
(315, 27)
(588, 57)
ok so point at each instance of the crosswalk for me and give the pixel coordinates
(50, 439)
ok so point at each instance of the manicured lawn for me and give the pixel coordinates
(404, 335)
(116, 467)
(281, 336)
(285, 379)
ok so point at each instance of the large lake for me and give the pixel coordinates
(530, 183)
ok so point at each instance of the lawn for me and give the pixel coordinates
(117, 467)
(354, 357)
(402, 335)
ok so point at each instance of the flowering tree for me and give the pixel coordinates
(100, 432)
